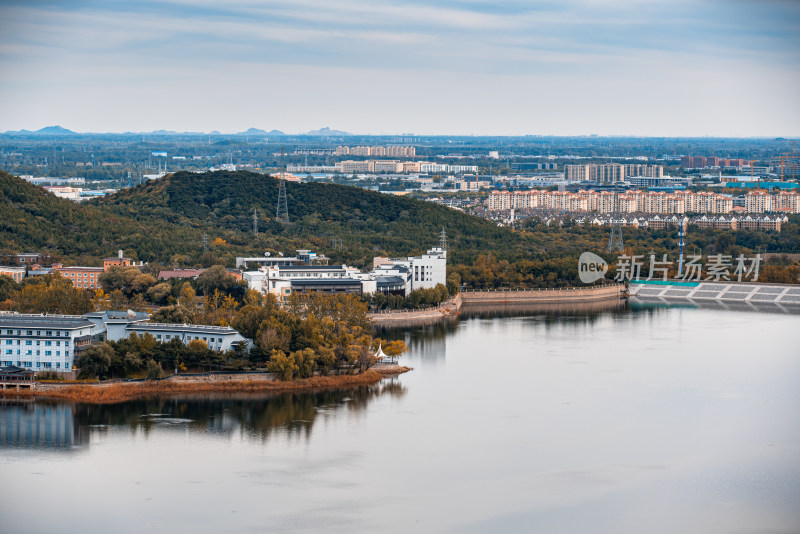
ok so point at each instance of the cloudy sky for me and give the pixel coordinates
(563, 67)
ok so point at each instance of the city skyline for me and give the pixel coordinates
(683, 69)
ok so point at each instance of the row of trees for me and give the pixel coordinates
(419, 298)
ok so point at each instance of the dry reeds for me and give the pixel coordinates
(124, 391)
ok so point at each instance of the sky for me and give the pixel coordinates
(450, 67)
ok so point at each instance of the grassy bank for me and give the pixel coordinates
(120, 392)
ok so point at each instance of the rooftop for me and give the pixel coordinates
(62, 268)
(20, 320)
(129, 315)
(311, 267)
(326, 282)
(174, 327)
(14, 370)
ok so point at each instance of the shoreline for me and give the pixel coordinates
(114, 392)
(504, 297)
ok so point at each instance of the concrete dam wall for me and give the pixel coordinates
(543, 296)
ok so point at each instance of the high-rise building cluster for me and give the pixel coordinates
(610, 172)
(679, 202)
(387, 151)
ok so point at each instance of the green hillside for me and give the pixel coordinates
(367, 222)
(165, 218)
(31, 219)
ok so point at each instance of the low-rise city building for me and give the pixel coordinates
(44, 342)
(55, 342)
(15, 273)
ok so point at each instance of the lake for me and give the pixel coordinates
(620, 420)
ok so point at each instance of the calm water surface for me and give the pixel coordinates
(624, 421)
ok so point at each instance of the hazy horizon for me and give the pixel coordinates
(387, 134)
(447, 67)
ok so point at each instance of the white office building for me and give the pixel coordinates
(44, 342)
(418, 272)
(54, 342)
(221, 338)
(429, 269)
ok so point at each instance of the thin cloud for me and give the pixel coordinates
(581, 55)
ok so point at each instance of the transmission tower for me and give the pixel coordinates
(443, 240)
(205, 242)
(255, 222)
(615, 239)
(282, 213)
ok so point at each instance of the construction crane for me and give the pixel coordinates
(791, 157)
(751, 173)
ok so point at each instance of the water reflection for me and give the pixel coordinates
(428, 342)
(571, 309)
(55, 425)
(27, 424)
(253, 415)
(788, 308)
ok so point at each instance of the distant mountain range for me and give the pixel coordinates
(327, 132)
(253, 132)
(47, 130)
(259, 132)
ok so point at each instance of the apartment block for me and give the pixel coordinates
(679, 202)
(387, 151)
(610, 172)
(81, 277)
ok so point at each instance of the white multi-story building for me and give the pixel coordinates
(445, 168)
(55, 342)
(416, 272)
(282, 280)
(429, 269)
(221, 338)
(44, 342)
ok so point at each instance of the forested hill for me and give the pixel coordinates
(31, 219)
(164, 221)
(368, 223)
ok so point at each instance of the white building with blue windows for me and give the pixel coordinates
(54, 342)
(44, 342)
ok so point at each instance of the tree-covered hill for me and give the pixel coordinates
(368, 223)
(32, 219)
(166, 219)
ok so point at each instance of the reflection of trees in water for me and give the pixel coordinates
(581, 311)
(48, 425)
(252, 414)
(575, 314)
(427, 342)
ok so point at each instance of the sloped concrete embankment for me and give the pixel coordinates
(500, 297)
